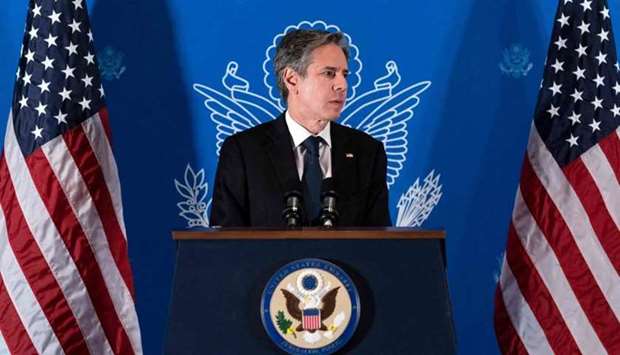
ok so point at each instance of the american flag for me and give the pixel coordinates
(66, 283)
(311, 319)
(559, 288)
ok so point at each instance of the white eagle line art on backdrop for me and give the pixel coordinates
(383, 112)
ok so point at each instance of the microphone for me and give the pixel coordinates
(329, 213)
(293, 201)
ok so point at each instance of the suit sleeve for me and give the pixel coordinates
(230, 203)
(377, 211)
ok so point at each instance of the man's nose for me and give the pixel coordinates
(340, 83)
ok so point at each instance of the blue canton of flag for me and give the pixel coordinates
(579, 103)
(58, 83)
(66, 285)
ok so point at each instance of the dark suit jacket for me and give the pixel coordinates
(256, 167)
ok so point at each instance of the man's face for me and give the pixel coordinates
(320, 95)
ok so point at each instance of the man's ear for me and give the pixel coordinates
(291, 79)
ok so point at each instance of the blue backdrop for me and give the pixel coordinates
(464, 74)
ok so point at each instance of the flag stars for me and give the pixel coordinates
(29, 56)
(602, 58)
(586, 5)
(561, 43)
(65, 94)
(41, 109)
(51, 40)
(75, 26)
(90, 59)
(599, 80)
(574, 118)
(85, 104)
(36, 11)
(72, 48)
(595, 125)
(27, 78)
(597, 103)
(61, 117)
(33, 33)
(88, 80)
(554, 111)
(90, 36)
(23, 102)
(101, 92)
(555, 88)
(558, 66)
(44, 86)
(616, 88)
(572, 140)
(581, 50)
(615, 110)
(55, 17)
(68, 71)
(37, 132)
(577, 95)
(584, 27)
(77, 4)
(605, 13)
(604, 35)
(563, 20)
(48, 63)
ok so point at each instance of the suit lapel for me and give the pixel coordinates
(280, 151)
(343, 161)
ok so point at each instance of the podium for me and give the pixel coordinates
(399, 273)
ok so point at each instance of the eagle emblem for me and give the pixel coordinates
(310, 304)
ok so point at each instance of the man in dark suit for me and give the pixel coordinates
(304, 145)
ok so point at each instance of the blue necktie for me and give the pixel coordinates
(312, 178)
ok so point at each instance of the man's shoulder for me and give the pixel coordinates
(359, 137)
(254, 134)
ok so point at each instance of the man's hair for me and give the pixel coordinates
(295, 51)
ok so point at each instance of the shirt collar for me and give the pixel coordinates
(299, 133)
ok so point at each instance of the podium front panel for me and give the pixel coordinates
(215, 307)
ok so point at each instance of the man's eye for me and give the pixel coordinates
(330, 73)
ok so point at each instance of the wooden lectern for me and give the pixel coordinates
(399, 273)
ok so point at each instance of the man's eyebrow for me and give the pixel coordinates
(334, 68)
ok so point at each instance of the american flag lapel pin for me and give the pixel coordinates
(349, 155)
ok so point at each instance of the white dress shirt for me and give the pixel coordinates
(299, 135)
